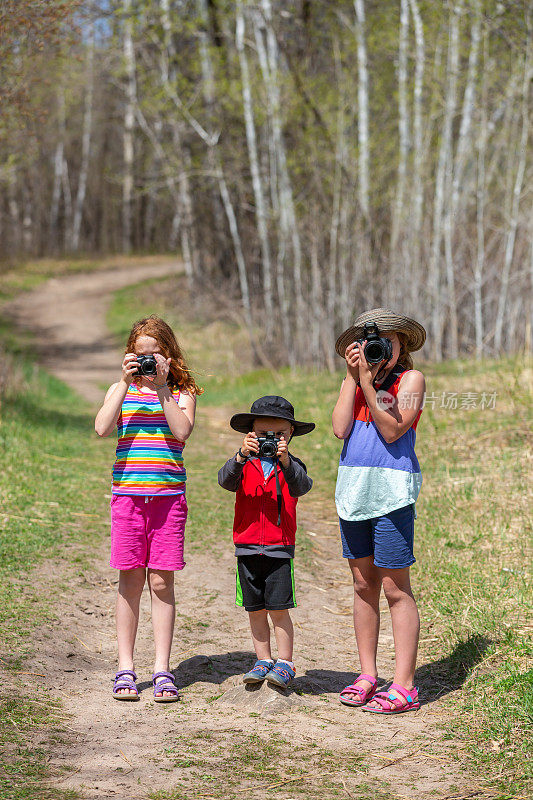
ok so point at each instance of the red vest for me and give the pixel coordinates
(256, 508)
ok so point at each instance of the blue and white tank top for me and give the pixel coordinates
(376, 477)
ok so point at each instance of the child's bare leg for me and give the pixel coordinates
(130, 586)
(284, 633)
(367, 589)
(405, 625)
(161, 583)
(260, 630)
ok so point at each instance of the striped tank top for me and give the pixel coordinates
(376, 477)
(149, 458)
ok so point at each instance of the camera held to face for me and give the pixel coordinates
(268, 445)
(147, 366)
(377, 348)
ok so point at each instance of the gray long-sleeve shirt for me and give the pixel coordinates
(298, 483)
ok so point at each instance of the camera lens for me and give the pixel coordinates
(374, 352)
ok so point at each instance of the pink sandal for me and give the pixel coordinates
(365, 695)
(389, 704)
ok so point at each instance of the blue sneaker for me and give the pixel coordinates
(281, 674)
(258, 672)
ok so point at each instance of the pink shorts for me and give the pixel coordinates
(148, 532)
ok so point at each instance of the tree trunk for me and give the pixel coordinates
(515, 202)
(287, 212)
(403, 130)
(183, 222)
(214, 160)
(260, 210)
(418, 155)
(85, 146)
(128, 130)
(480, 211)
(362, 107)
(443, 182)
(453, 214)
(53, 231)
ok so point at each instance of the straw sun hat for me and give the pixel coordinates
(387, 322)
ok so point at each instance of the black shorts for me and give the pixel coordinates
(265, 582)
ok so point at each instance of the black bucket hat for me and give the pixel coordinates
(270, 406)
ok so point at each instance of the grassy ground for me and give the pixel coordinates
(473, 531)
(15, 278)
(48, 454)
(265, 762)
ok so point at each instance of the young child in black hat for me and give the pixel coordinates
(267, 480)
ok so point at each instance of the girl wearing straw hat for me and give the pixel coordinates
(378, 483)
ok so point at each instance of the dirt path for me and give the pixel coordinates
(67, 317)
(204, 743)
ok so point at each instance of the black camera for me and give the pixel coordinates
(268, 445)
(377, 348)
(147, 365)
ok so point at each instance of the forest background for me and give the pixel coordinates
(307, 160)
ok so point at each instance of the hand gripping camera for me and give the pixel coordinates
(377, 348)
(147, 365)
(268, 445)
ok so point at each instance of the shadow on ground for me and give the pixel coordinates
(434, 680)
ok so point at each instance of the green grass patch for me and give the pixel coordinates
(19, 277)
(473, 529)
(52, 485)
(24, 765)
(257, 763)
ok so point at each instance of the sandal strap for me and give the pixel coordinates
(360, 690)
(157, 675)
(122, 672)
(384, 697)
(124, 684)
(408, 696)
(353, 689)
(165, 687)
(365, 677)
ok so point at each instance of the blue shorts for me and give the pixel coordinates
(388, 538)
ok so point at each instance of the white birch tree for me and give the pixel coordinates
(403, 128)
(517, 191)
(362, 107)
(130, 92)
(85, 146)
(257, 182)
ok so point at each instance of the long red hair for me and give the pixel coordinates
(179, 376)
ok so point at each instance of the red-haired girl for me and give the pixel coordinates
(153, 406)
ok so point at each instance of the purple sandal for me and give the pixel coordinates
(389, 704)
(364, 694)
(167, 685)
(122, 682)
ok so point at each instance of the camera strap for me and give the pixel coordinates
(278, 490)
(389, 380)
(385, 386)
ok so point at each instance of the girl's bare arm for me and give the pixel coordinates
(394, 422)
(342, 417)
(179, 415)
(107, 417)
